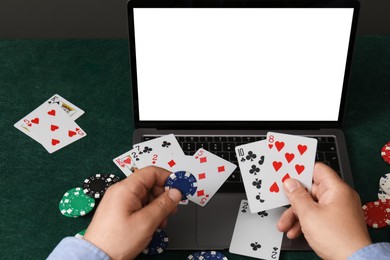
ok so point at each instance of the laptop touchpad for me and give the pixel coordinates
(215, 221)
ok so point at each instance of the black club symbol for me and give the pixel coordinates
(258, 197)
(255, 246)
(147, 150)
(166, 144)
(261, 161)
(254, 170)
(262, 213)
(257, 183)
(251, 156)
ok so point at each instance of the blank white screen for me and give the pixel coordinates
(275, 64)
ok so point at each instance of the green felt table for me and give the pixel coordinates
(94, 75)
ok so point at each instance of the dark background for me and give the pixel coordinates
(107, 19)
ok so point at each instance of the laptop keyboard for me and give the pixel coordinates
(224, 146)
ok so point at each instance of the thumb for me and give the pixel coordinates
(300, 199)
(160, 208)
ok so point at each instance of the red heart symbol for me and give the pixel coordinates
(279, 145)
(277, 165)
(55, 142)
(302, 149)
(274, 188)
(299, 168)
(270, 146)
(289, 157)
(35, 120)
(52, 112)
(127, 160)
(71, 133)
(287, 176)
(53, 127)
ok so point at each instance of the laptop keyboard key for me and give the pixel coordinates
(228, 146)
(234, 139)
(326, 147)
(215, 147)
(205, 139)
(202, 145)
(189, 147)
(220, 139)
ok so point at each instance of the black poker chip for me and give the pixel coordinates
(96, 185)
(184, 181)
(158, 244)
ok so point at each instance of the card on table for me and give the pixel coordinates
(290, 156)
(210, 171)
(256, 234)
(125, 163)
(53, 128)
(251, 159)
(71, 110)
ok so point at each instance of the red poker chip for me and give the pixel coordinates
(385, 153)
(376, 214)
(385, 202)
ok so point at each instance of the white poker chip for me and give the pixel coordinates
(384, 183)
(383, 195)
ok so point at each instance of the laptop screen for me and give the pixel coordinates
(241, 64)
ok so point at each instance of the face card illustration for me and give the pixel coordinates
(125, 163)
(292, 157)
(251, 159)
(25, 124)
(256, 234)
(210, 172)
(53, 128)
(150, 152)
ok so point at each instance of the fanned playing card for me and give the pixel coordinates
(210, 172)
(71, 110)
(53, 128)
(290, 156)
(256, 234)
(251, 159)
(125, 163)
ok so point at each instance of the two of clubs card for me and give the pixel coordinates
(53, 124)
(209, 170)
(266, 164)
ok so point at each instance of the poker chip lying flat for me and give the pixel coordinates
(158, 244)
(96, 185)
(76, 203)
(81, 234)
(384, 183)
(196, 255)
(385, 152)
(214, 255)
(183, 181)
(376, 214)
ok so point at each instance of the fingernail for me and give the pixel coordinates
(290, 185)
(174, 194)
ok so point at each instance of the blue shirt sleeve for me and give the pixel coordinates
(377, 251)
(77, 249)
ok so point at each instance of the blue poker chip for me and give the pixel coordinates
(158, 244)
(198, 255)
(184, 181)
(214, 255)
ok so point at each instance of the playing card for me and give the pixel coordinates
(125, 163)
(210, 172)
(251, 160)
(71, 110)
(53, 128)
(256, 234)
(156, 151)
(290, 156)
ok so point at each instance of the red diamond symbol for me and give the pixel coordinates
(221, 168)
(171, 163)
(203, 160)
(200, 193)
(202, 176)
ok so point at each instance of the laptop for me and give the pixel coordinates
(218, 74)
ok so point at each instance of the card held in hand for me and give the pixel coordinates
(290, 156)
(256, 234)
(252, 159)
